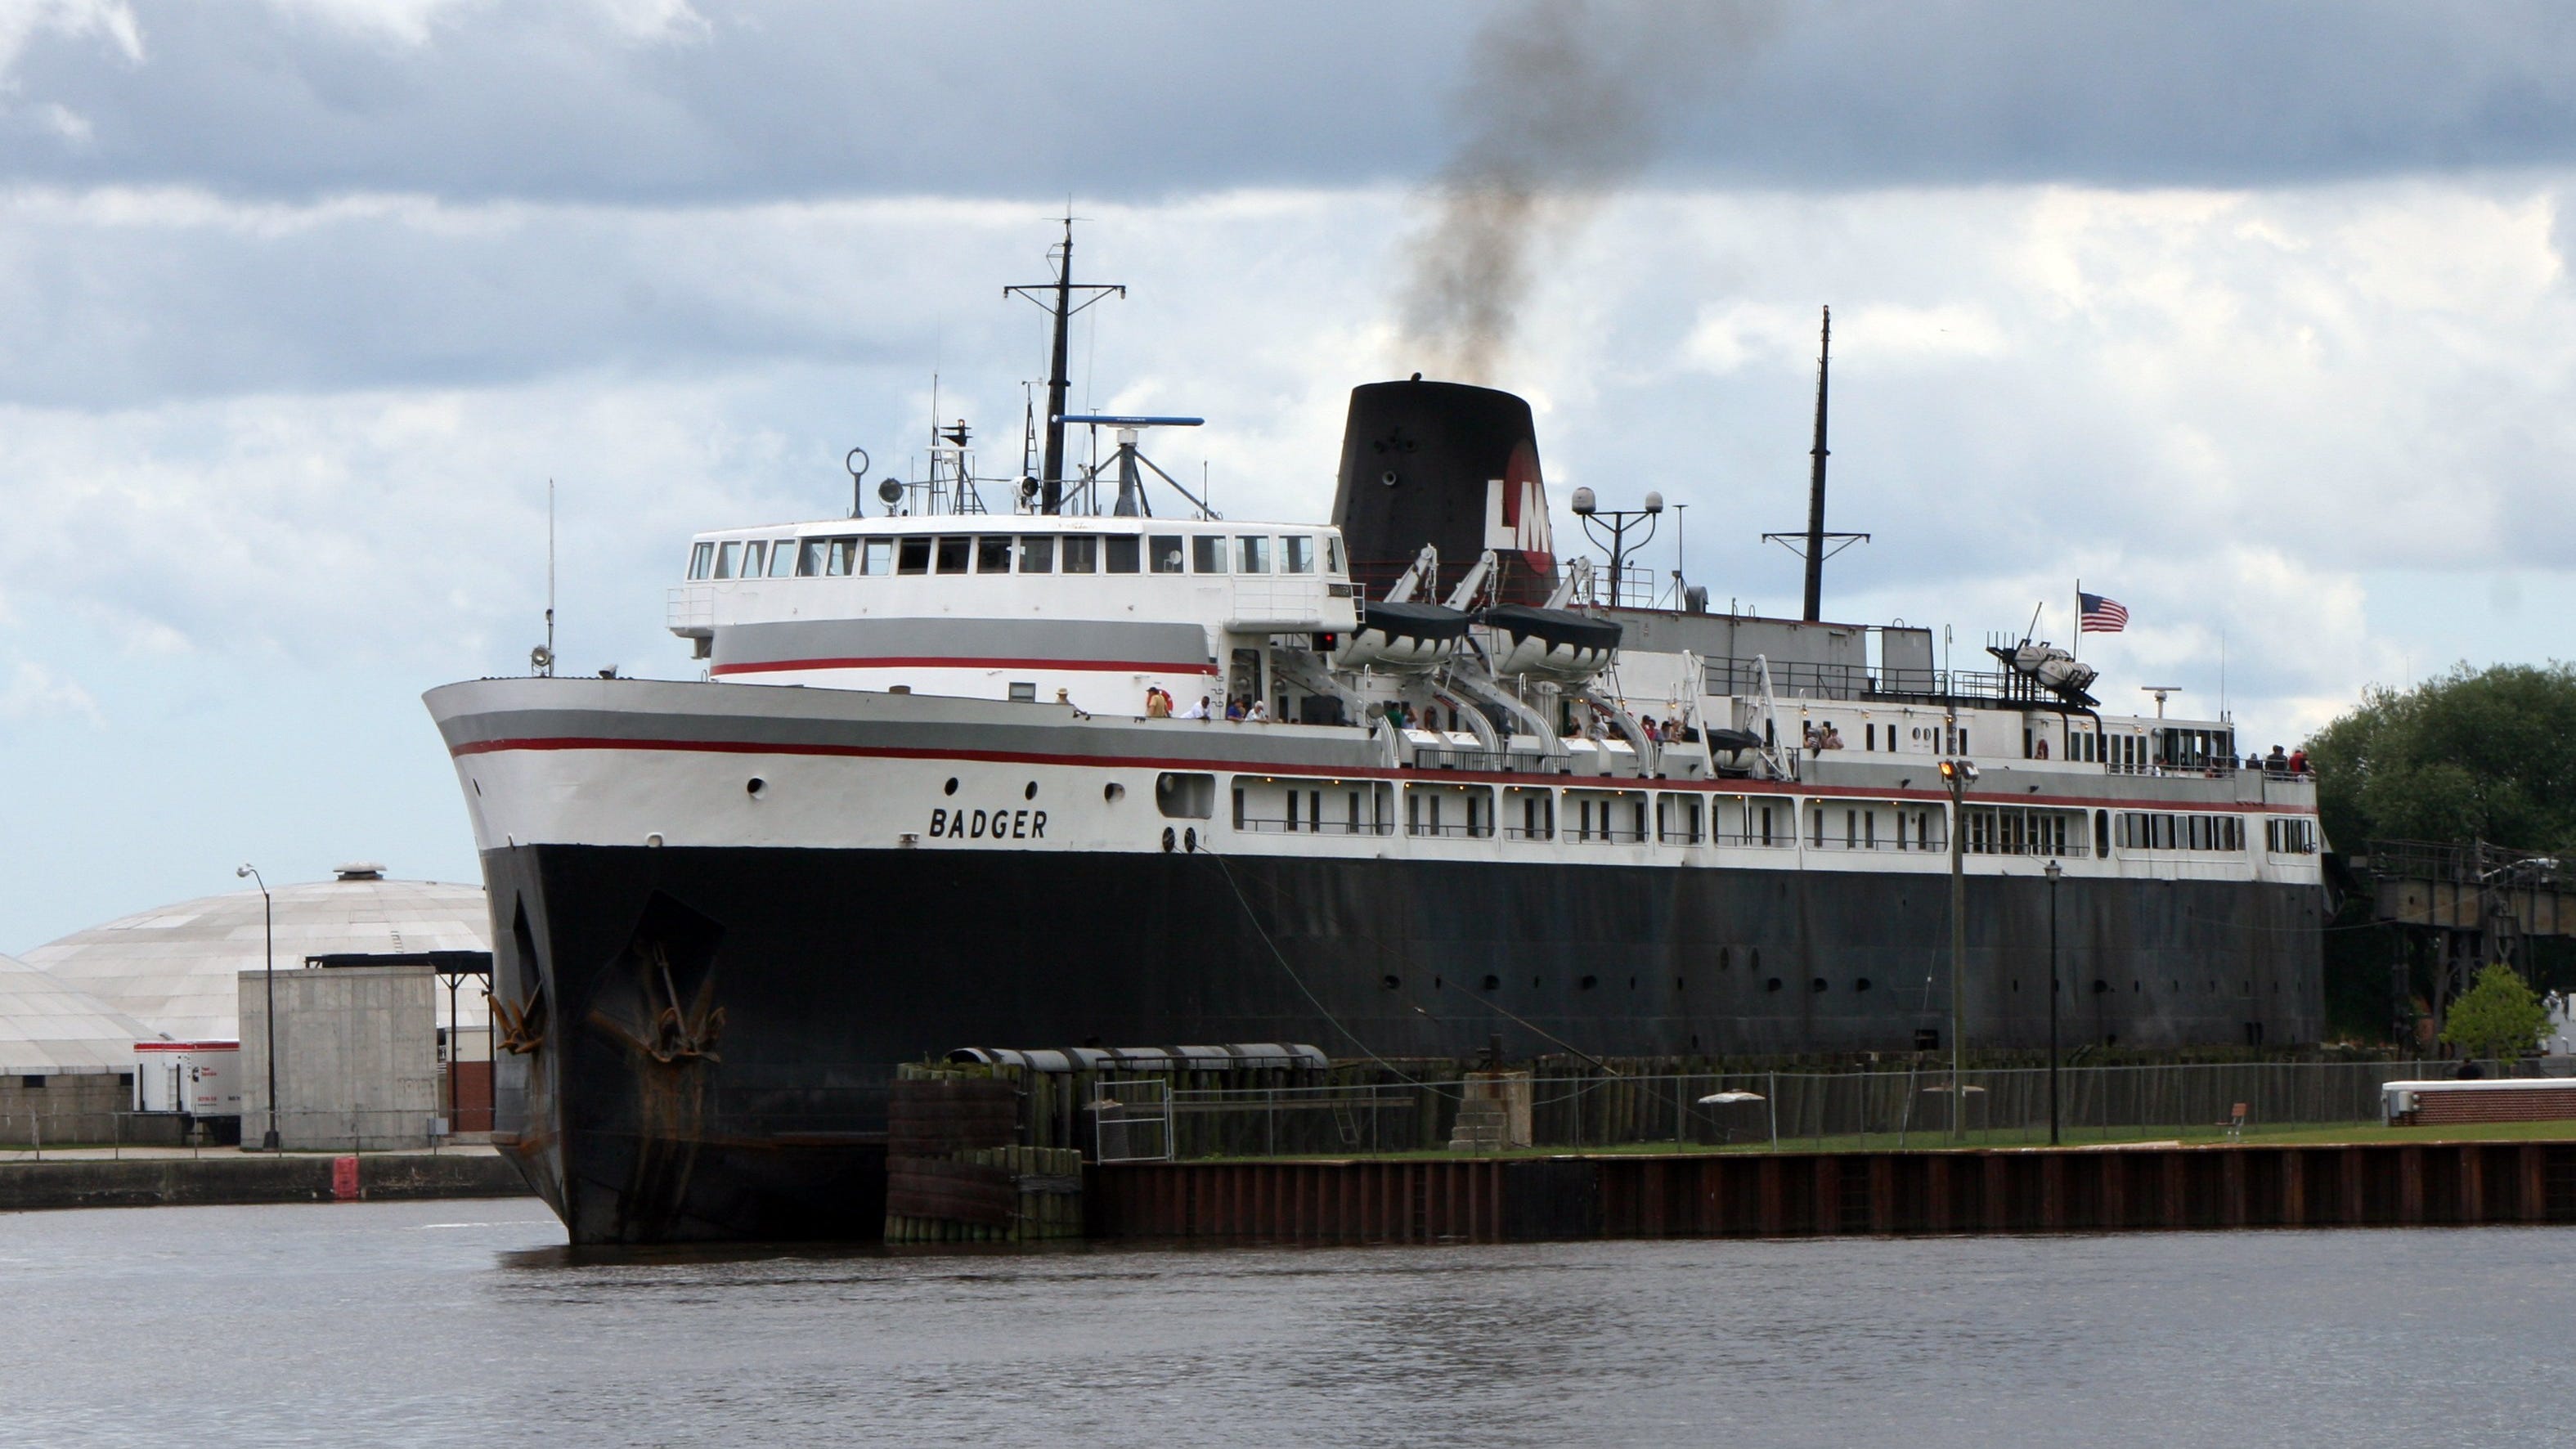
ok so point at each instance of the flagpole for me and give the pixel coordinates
(2075, 642)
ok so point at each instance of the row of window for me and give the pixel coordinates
(2140, 830)
(1027, 553)
(1526, 812)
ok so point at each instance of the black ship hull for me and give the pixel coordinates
(707, 1033)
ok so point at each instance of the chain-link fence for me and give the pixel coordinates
(33, 1135)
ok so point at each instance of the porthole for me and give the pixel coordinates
(1536, 982)
(1588, 982)
(1493, 983)
(1169, 842)
(951, 787)
(1818, 985)
(1861, 985)
(1190, 839)
(1112, 791)
(1390, 982)
(1031, 792)
(1771, 985)
(754, 785)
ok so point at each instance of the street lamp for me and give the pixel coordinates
(268, 932)
(1958, 775)
(2054, 870)
(1618, 521)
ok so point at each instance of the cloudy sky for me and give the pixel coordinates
(2254, 316)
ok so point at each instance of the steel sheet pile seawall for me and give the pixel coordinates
(1804, 1194)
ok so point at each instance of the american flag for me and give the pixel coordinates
(2100, 615)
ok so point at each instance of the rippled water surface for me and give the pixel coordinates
(467, 1323)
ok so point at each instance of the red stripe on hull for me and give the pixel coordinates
(1355, 772)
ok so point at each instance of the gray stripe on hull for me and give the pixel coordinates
(1179, 646)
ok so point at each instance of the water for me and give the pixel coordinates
(467, 1323)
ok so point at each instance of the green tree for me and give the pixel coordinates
(2496, 1017)
(2485, 754)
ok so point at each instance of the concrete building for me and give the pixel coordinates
(66, 1060)
(357, 1057)
(175, 969)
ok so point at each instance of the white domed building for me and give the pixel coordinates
(176, 970)
(48, 1028)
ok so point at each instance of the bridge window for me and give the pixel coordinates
(1037, 553)
(728, 560)
(1297, 554)
(1166, 551)
(843, 558)
(952, 553)
(1082, 554)
(755, 560)
(809, 559)
(993, 553)
(701, 559)
(876, 557)
(1332, 553)
(1252, 555)
(782, 558)
(1123, 552)
(912, 555)
(1207, 554)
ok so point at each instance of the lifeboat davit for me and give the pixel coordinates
(1402, 637)
(1554, 644)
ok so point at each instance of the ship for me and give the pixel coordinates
(1073, 773)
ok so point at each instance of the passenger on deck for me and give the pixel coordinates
(1259, 713)
(2276, 763)
(1198, 710)
(1833, 738)
(1234, 709)
(2299, 761)
(2039, 750)
(1431, 718)
(1812, 740)
(1158, 705)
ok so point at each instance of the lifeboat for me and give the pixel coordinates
(2056, 670)
(1402, 637)
(1556, 644)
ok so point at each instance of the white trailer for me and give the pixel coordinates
(197, 1078)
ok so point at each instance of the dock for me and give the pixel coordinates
(2151, 1187)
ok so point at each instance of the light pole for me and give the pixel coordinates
(1958, 775)
(2054, 871)
(268, 934)
(1618, 521)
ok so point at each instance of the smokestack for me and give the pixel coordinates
(1449, 465)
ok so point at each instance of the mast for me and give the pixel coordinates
(1060, 309)
(1053, 477)
(1816, 483)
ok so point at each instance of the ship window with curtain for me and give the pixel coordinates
(1332, 553)
(701, 559)
(952, 553)
(993, 553)
(1297, 554)
(1037, 553)
(1165, 549)
(1207, 554)
(1122, 553)
(782, 558)
(1252, 555)
(1082, 554)
(728, 560)
(912, 555)
(876, 557)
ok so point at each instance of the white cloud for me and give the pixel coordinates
(21, 21)
(32, 690)
(414, 22)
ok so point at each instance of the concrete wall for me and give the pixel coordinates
(63, 1107)
(357, 1057)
